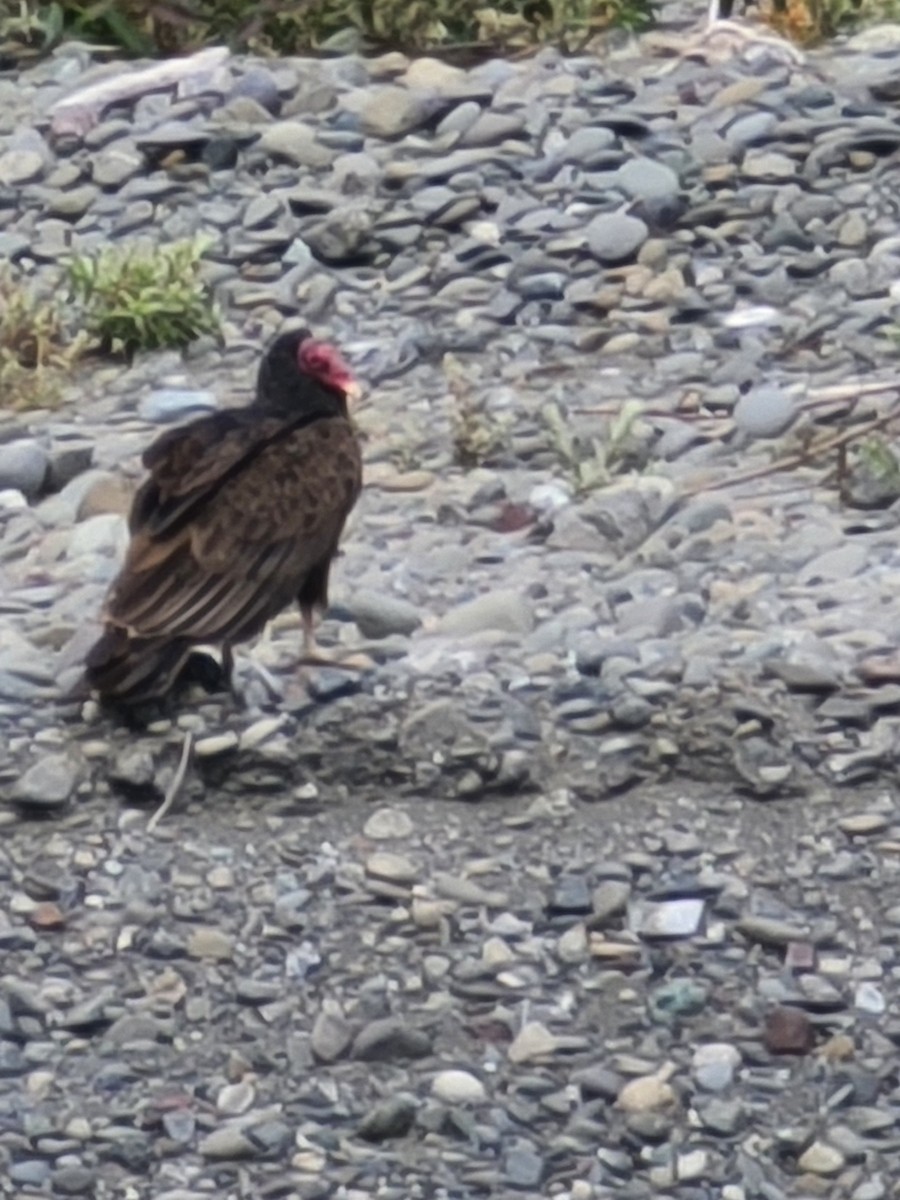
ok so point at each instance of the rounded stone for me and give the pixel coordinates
(644, 179)
(821, 1159)
(20, 166)
(714, 1065)
(386, 823)
(458, 1087)
(764, 411)
(788, 1031)
(647, 1093)
(615, 237)
(24, 467)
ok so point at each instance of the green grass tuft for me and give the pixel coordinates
(144, 298)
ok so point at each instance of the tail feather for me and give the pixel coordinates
(131, 670)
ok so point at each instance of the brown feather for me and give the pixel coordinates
(250, 547)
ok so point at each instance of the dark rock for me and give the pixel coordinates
(788, 1031)
(389, 1118)
(390, 1038)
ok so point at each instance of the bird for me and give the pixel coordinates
(239, 517)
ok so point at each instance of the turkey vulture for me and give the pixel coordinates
(240, 516)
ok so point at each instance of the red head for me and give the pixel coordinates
(321, 361)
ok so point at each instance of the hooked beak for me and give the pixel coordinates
(353, 391)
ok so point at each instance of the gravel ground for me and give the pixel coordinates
(589, 888)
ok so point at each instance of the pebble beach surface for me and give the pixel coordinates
(589, 888)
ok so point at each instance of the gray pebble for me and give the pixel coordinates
(24, 466)
(764, 411)
(47, 784)
(615, 237)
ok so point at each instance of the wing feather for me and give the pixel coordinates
(187, 466)
(251, 540)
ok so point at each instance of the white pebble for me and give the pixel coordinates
(458, 1087)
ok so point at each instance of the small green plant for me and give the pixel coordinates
(144, 298)
(589, 462)
(477, 434)
(36, 349)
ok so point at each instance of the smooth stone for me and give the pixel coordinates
(393, 111)
(647, 1093)
(677, 998)
(163, 405)
(765, 411)
(609, 899)
(379, 615)
(788, 1031)
(503, 610)
(532, 1042)
(771, 931)
(296, 142)
(235, 1098)
(390, 1118)
(47, 784)
(24, 467)
(260, 85)
(720, 1116)
(69, 459)
(669, 918)
(615, 237)
(105, 534)
(768, 164)
(869, 998)
(331, 1033)
(104, 493)
(395, 868)
(644, 179)
(228, 1143)
(435, 75)
(12, 500)
(861, 824)
(714, 1065)
(216, 743)
(388, 1039)
(74, 1180)
(386, 823)
(587, 145)
(72, 203)
(821, 1159)
(207, 942)
(458, 1087)
(114, 167)
(20, 166)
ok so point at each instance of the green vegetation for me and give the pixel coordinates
(144, 299)
(151, 27)
(36, 347)
(455, 28)
(809, 22)
(590, 463)
(120, 301)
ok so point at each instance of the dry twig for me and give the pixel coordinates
(177, 783)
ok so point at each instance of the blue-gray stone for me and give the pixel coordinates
(24, 466)
(175, 404)
(615, 237)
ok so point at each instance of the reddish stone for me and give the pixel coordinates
(788, 1031)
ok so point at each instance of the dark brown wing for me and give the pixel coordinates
(187, 464)
(248, 546)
